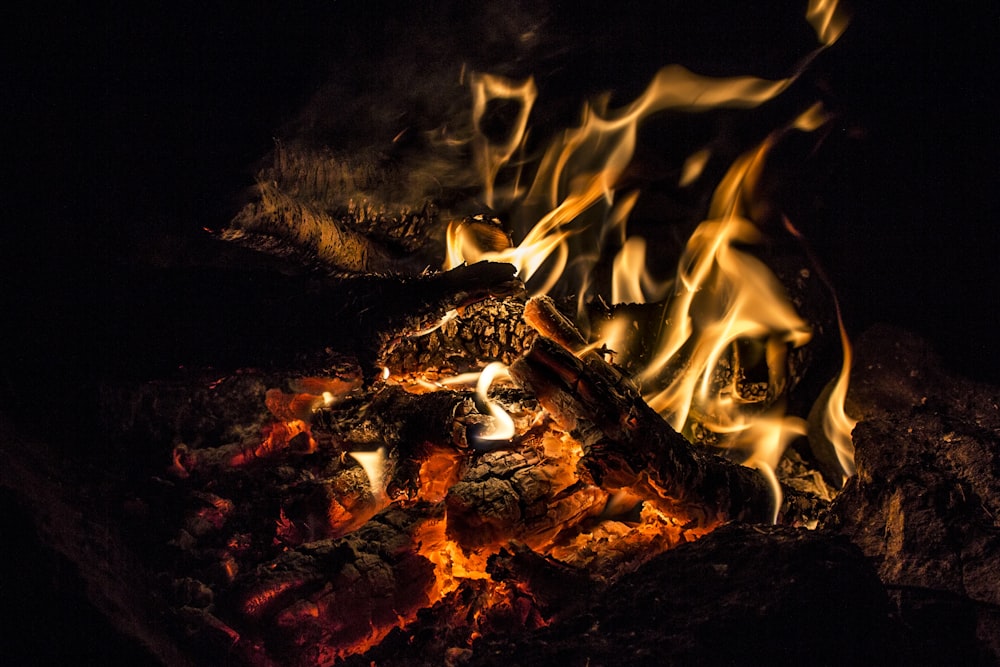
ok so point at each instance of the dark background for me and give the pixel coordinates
(125, 123)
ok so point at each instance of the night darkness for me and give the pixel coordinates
(125, 124)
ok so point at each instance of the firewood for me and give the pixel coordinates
(490, 330)
(425, 436)
(387, 310)
(327, 599)
(518, 495)
(628, 446)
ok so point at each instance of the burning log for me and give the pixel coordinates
(518, 495)
(490, 330)
(628, 446)
(332, 598)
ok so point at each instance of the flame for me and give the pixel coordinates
(724, 298)
(492, 157)
(631, 283)
(694, 166)
(837, 426)
(724, 295)
(572, 195)
(503, 426)
(827, 19)
(374, 464)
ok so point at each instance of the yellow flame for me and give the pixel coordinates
(492, 157)
(827, 19)
(631, 283)
(572, 195)
(374, 464)
(694, 166)
(503, 425)
(837, 426)
(724, 298)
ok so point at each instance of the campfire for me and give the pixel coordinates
(506, 425)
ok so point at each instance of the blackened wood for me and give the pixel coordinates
(150, 322)
(322, 601)
(490, 330)
(518, 495)
(757, 594)
(627, 445)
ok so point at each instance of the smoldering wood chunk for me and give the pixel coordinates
(205, 408)
(518, 495)
(397, 418)
(200, 409)
(925, 503)
(425, 437)
(554, 587)
(491, 330)
(327, 599)
(397, 309)
(768, 594)
(627, 445)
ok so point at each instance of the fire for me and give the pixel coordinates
(373, 464)
(492, 157)
(837, 426)
(721, 333)
(726, 315)
(503, 427)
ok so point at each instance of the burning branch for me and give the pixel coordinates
(629, 446)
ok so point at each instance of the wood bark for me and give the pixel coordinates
(627, 445)
(518, 495)
(490, 330)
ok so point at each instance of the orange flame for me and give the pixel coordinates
(724, 298)
(827, 19)
(493, 157)
(580, 171)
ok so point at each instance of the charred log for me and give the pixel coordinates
(627, 445)
(491, 330)
(236, 318)
(707, 602)
(518, 495)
